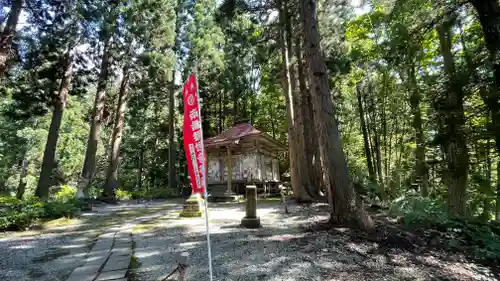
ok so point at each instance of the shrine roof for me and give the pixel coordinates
(236, 132)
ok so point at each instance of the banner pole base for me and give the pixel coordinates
(192, 207)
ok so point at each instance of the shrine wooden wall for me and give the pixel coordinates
(253, 166)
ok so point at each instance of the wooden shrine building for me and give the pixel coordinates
(251, 156)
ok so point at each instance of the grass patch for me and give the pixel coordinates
(61, 222)
(135, 264)
(144, 227)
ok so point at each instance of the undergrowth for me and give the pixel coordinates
(464, 234)
(16, 214)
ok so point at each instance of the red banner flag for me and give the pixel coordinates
(193, 136)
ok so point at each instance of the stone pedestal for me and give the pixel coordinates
(251, 220)
(192, 207)
(220, 193)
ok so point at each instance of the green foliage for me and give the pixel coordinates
(58, 209)
(417, 210)
(482, 239)
(21, 214)
(157, 193)
(66, 193)
(123, 194)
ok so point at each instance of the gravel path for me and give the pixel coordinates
(53, 254)
(279, 251)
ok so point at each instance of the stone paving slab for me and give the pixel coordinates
(111, 275)
(123, 244)
(112, 252)
(101, 247)
(122, 258)
(116, 265)
(121, 251)
(121, 248)
(96, 260)
(107, 235)
(81, 277)
(87, 269)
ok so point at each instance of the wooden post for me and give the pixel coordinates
(221, 169)
(229, 170)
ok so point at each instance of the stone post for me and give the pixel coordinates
(251, 220)
(182, 261)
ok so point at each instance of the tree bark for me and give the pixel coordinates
(489, 17)
(346, 207)
(376, 142)
(310, 140)
(421, 166)
(114, 155)
(497, 206)
(299, 121)
(371, 171)
(171, 135)
(60, 98)
(140, 168)
(95, 125)
(299, 190)
(454, 142)
(487, 207)
(21, 188)
(8, 33)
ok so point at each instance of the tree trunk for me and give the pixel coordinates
(489, 17)
(451, 113)
(299, 190)
(497, 207)
(114, 155)
(299, 121)
(171, 135)
(310, 140)
(346, 207)
(140, 168)
(487, 207)
(8, 33)
(371, 171)
(45, 181)
(376, 142)
(421, 166)
(21, 188)
(95, 125)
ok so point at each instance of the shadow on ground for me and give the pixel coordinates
(52, 253)
(282, 250)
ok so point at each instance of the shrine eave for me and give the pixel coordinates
(240, 133)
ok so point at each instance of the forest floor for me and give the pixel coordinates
(287, 247)
(283, 249)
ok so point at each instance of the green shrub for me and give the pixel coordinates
(8, 200)
(481, 239)
(123, 194)
(66, 193)
(157, 193)
(21, 214)
(417, 210)
(138, 194)
(162, 193)
(58, 209)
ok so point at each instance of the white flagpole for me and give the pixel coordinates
(207, 225)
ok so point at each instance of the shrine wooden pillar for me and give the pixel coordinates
(262, 166)
(229, 169)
